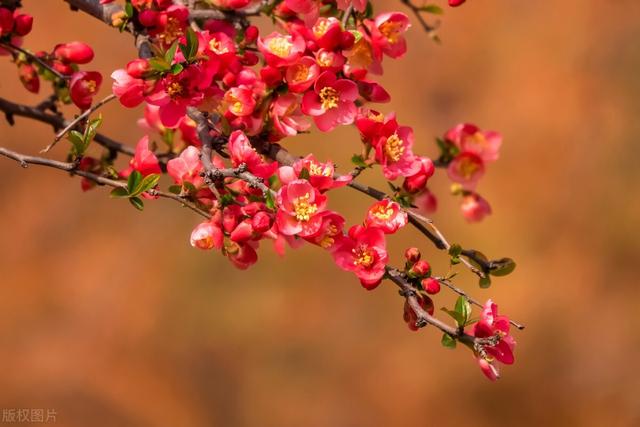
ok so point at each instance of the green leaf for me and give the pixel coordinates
(159, 64)
(176, 69)
(269, 201)
(455, 250)
(432, 8)
(358, 160)
(144, 184)
(456, 316)
(175, 189)
(171, 52)
(484, 282)
(192, 43)
(77, 140)
(128, 9)
(448, 342)
(92, 129)
(502, 267)
(134, 181)
(463, 308)
(137, 203)
(119, 193)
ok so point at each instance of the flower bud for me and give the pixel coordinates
(137, 68)
(23, 24)
(431, 285)
(412, 254)
(261, 222)
(6, 21)
(251, 34)
(420, 268)
(347, 39)
(29, 77)
(74, 52)
(242, 232)
(271, 75)
(206, 236)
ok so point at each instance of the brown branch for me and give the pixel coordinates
(72, 168)
(429, 29)
(58, 122)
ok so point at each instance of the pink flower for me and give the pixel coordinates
(174, 93)
(373, 91)
(364, 253)
(387, 34)
(231, 4)
(241, 152)
(455, 3)
(144, 161)
(320, 175)
(491, 324)
(330, 233)
(329, 60)
(129, 90)
(418, 181)
(308, 9)
(468, 137)
(242, 255)
(474, 208)
(370, 123)
(287, 117)
(466, 168)
(187, 167)
(83, 86)
(327, 33)
(393, 151)
(387, 216)
(281, 50)
(74, 52)
(240, 101)
(207, 236)
(426, 201)
(331, 103)
(301, 75)
(300, 205)
(167, 25)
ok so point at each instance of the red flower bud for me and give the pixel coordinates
(29, 77)
(6, 21)
(243, 232)
(84, 85)
(137, 68)
(431, 286)
(420, 268)
(271, 75)
(251, 34)
(249, 59)
(23, 24)
(62, 68)
(347, 39)
(148, 18)
(261, 222)
(74, 52)
(412, 254)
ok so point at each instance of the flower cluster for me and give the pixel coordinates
(218, 96)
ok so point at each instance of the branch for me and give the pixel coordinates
(58, 122)
(26, 160)
(430, 30)
(34, 58)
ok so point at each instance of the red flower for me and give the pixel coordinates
(331, 103)
(387, 34)
(491, 324)
(281, 50)
(83, 86)
(364, 253)
(129, 90)
(386, 215)
(242, 152)
(29, 77)
(301, 75)
(287, 117)
(300, 205)
(187, 167)
(466, 168)
(74, 52)
(455, 3)
(474, 208)
(418, 181)
(330, 233)
(207, 236)
(393, 151)
(320, 175)
(144, 161)
(468, 137)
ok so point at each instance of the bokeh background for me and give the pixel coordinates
(108, 316)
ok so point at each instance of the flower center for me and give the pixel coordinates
(216, 46)
(394, 147)
(468, 167)
(172, 31)
(91, 86)
(321, 28)
(316, 169)
(382, 212)
(303, 209)
(325, 59)
(280, 46)
(363, 256)
(300, 72)
(391, 31)
(328, 97)
(175, 90)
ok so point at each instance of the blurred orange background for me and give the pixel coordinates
(108, 316)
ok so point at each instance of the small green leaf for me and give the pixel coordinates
(92, 129)
(192, 43)
(455, 250)
(176, 69)
(448, 342)
(135, 178)
(175, 189)
(463, 308)
(269, 201)
(432, 8)
(456, 316)
(159, 64)
(119, 193)
(137, 203)
(77, 140)
(484, 282)
(358, 160)
(171, 52)
(149, 182)
(128, 9)
(502, 267)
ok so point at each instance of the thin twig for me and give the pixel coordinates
(77, 120)
(34, 58)
(26, 160)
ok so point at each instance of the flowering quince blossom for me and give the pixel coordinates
(331, 103)
(217, 86)
(363, 252)
(386, 215)
(300, 205)
(491, 324)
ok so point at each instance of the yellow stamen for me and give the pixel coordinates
(394, 147)
(392, 31)
(280, 46)
(303, 209)
(329, 97)
(363, 256)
